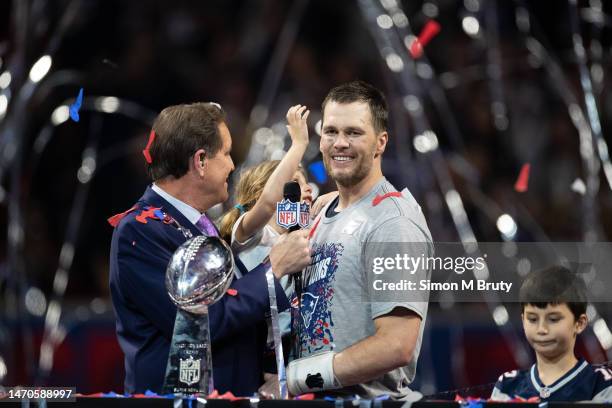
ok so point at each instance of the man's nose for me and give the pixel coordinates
(341, 141)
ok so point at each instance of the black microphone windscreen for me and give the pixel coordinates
(292, 191)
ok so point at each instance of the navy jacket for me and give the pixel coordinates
(140, 253)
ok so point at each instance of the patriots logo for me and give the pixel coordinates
(309, 305)
(287, 213)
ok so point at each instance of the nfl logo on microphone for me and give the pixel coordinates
(304, 219)
(189, 371)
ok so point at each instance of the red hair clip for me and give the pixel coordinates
(145, 152)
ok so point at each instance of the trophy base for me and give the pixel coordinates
(189, 369)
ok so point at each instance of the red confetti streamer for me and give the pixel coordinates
(145, 152)
(377, 200)
(429, 31)
(522, 182)
(148, 213)
(232, 292)
(229, 396)
(114, 220)
(306, 397)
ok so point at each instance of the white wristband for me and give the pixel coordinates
(311, 374)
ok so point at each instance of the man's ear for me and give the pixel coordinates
(381, 143)
(200, 163)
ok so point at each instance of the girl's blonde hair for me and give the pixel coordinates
(248, 191)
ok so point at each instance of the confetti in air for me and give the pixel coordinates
(74, 108)
(146, 153)
(522, 182)
(429, 31)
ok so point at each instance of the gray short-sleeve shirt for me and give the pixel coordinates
(338, 305)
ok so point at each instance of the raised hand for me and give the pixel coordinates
(298, 127)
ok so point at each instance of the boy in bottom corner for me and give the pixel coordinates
(553, 302)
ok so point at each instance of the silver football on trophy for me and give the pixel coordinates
(199, 273)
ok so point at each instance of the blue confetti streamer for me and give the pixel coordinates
(74, 108)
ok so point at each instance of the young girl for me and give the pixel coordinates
(253, 247)
(251, 225)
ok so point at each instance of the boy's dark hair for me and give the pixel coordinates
(180, 131)
(552, 286)
(360, 91)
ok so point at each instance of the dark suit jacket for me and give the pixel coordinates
(140, 253)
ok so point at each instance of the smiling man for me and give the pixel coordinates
(188, 157)
(348, 341)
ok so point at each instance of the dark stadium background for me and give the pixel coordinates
(158, 53)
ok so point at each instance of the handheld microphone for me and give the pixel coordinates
(293, 193)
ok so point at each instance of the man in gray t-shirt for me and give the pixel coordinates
(349, 337)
